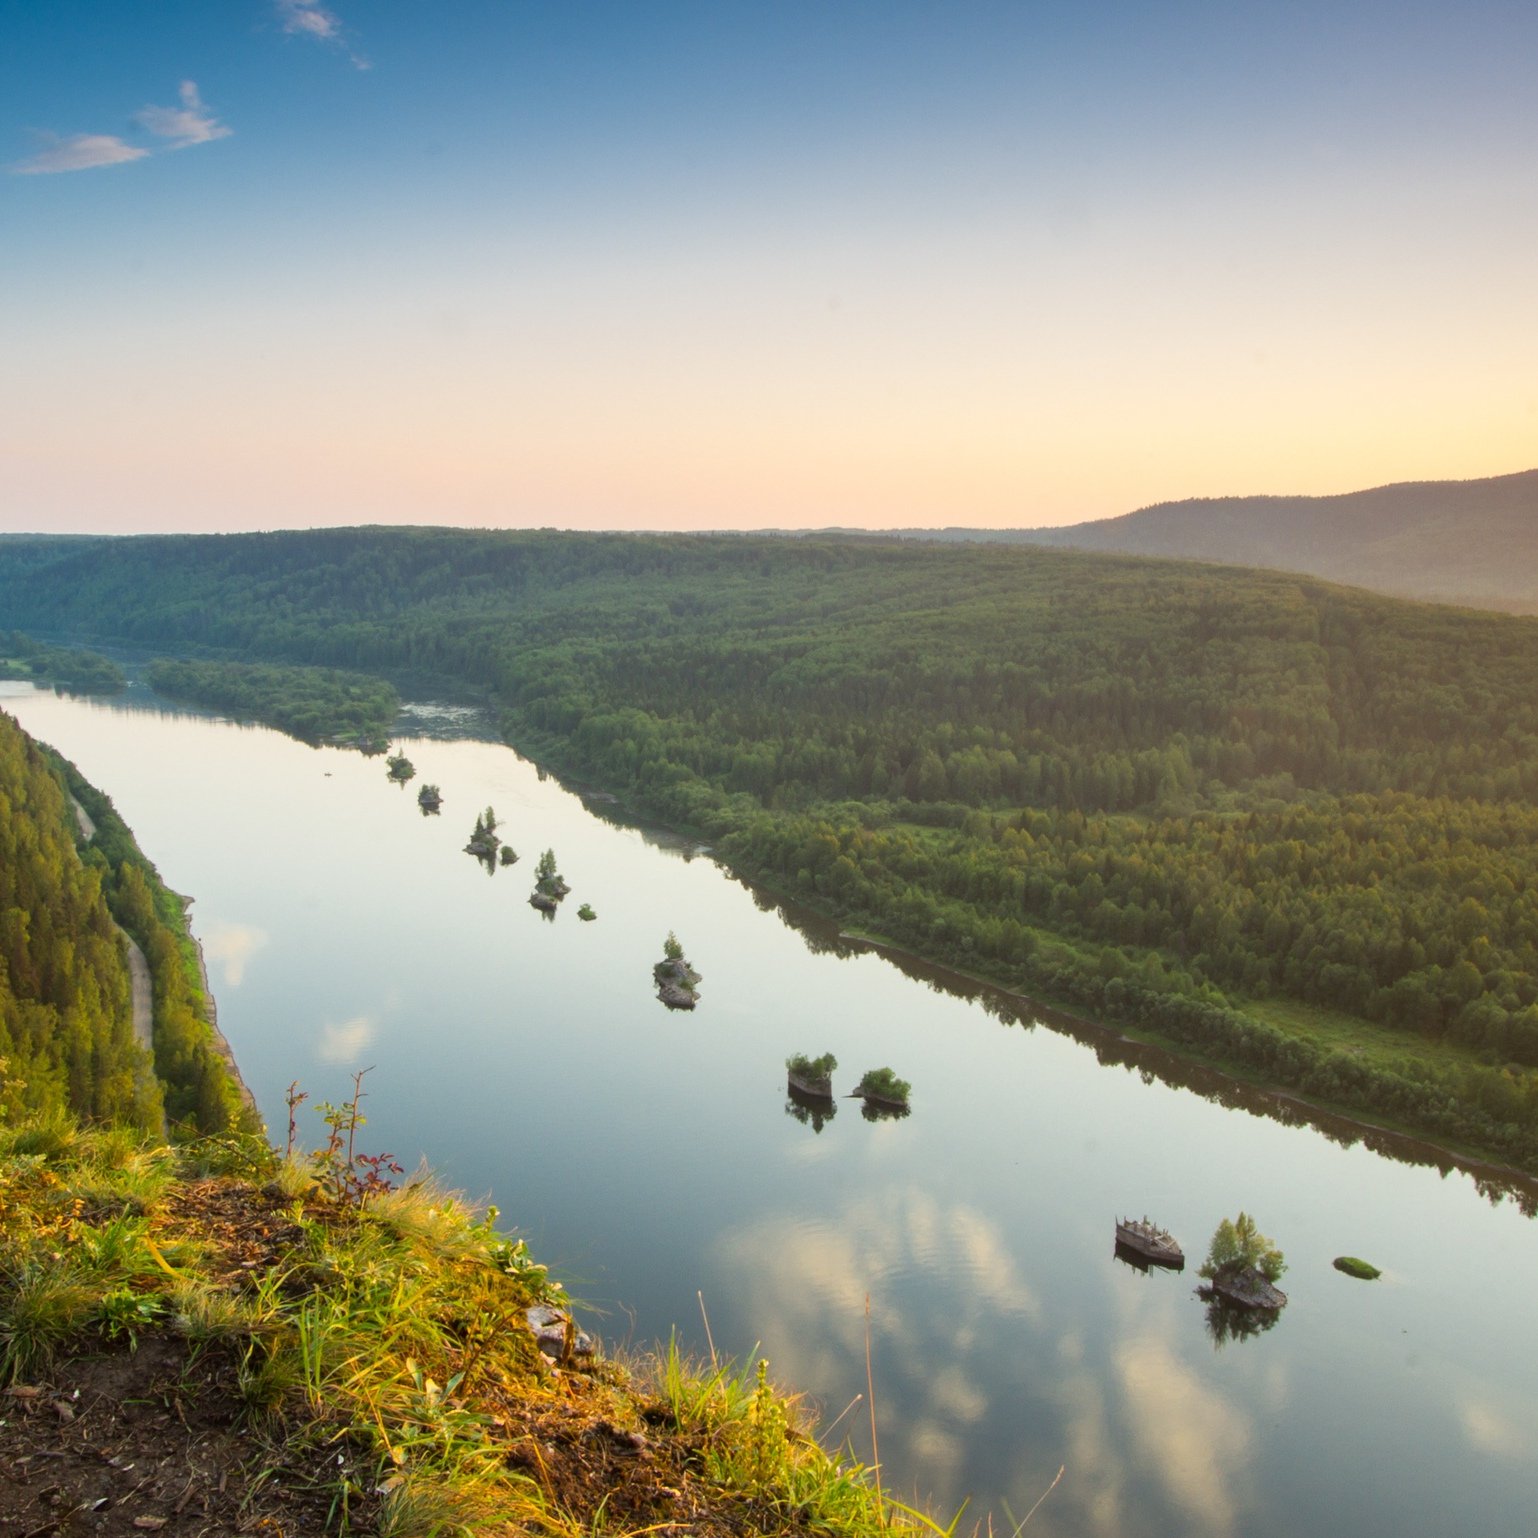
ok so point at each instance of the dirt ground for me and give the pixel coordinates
(147, 1441)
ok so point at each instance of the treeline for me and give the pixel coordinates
(313, 703)
(1022, 916)
(1423, 916)
(1107, 780)
(66, 1013)
(70, 667)
(200, 1094)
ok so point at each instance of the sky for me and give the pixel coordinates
(682, 264)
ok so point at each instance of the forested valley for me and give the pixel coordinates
(1286, 825)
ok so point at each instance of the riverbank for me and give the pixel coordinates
(1214, 1078)
(1427, 1099)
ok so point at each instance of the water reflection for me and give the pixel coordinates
(346, 1041)
(1195, 1440)
(814, 1111)
(1493, 1429)
(1142, 1264)
(1228, 1322)
(1152, 1063)
(231, 947)
(933, 1281)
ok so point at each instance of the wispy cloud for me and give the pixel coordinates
(76, 152)
(309, 18)
(178, 127)
(190, 123)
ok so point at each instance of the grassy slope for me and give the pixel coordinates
(359, 1359)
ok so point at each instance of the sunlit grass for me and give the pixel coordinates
(392, 1324)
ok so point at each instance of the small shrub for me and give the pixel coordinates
(884, 1084)
(813, 1068)
(1360, 1269)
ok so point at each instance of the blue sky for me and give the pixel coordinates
(272, 263)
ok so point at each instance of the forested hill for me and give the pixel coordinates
(1233, 807)
(66, 1018)
(796, 670)
(67, 1040)
(1472, 542)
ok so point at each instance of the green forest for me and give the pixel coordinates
(67, 667)
(66, 1018)
(1284, 825)
(310, 703)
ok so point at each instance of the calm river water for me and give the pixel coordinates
(650, 1158)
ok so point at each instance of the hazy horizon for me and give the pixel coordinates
(285, 264)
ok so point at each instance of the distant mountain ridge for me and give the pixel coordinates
(1470, 542)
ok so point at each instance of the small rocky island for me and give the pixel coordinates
(810, 1078)
(676, 980)
(549, 885)
(484, 841)
(429, 799)
(400, 768)
(884, 1094)
(1243, 1265)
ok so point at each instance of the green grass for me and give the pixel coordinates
(1358, 1037)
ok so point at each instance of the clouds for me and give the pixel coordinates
(76, 152)
(177, 128)
(191, 123)
(309, 18)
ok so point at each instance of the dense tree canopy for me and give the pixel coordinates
(66, 1017)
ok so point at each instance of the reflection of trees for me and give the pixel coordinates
(428, 811)
(1228, 1322)
(873, 1111)
(823, 936)
(812, 1113)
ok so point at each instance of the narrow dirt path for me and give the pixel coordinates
(143, 993)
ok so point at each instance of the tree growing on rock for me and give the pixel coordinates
(1238, 1245)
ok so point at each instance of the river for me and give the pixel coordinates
(651, 1158)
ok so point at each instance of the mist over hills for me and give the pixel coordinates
(1470, 542)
